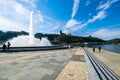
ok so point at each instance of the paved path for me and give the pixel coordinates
(69, 64)
(75, 69)
(40, 65)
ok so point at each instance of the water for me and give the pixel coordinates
(31, 30)
(22, 41)
(112, 48)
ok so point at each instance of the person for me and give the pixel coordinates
(99, 49)
(4, 47)
(8, 46)
(93, 49)
(69, 46)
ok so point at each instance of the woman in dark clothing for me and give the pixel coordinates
(4, 47)
(8, 46)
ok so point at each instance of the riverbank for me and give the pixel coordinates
(111, 59)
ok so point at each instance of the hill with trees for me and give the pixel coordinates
(58, 38)
(114, 41)
(5, 36)
(68, 39)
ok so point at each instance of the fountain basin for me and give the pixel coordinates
(34, 48)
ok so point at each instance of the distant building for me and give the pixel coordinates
(61, 33)
(90, 36)
(69, 34)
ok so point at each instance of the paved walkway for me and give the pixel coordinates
(40, 65)
(111, 59)
(66, 64)
(75, 68)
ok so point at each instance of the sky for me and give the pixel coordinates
(98, 18)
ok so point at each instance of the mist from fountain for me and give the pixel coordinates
(29, 40)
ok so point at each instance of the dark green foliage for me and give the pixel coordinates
(55, 38)
(39, 35)
(51, 37)
(68, 39)
(4, 36)
(114, 41)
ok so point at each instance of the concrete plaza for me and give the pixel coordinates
(37, 65)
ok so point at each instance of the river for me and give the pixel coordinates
(112, 48)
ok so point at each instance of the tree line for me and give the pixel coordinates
(58, 38)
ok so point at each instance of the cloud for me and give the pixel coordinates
(101, 14)
(48, 25)
(38, 17)
(71, 23)
(87, 2)
(31, 3)
(75, 8)
(7, 25)
(15, 16)
(107, 34)
(20, 9)
(74, 25)
(106, 5)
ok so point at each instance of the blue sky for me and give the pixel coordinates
(99, 18)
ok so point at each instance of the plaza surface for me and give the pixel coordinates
(65, 64)
(38, 65)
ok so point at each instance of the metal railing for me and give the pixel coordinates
(103, 71)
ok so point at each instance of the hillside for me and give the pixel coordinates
(4, 36)
(114, 41)
(54, 38)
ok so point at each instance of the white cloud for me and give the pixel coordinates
(100, 15)
(74, 25)
(38, 17)
(7, 25)
(75, 8)
(87, 2)
(71, 23)
(31, 2)
(48, 25)
(107, 34)
(14, 7)
(15, 16)
(106, 5)
(66, 31)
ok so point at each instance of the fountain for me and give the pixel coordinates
(31, 31)
(30, 43)
(30, 40)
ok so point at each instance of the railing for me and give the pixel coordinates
(103, 71)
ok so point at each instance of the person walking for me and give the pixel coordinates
(69, 46)
(8, 46)
(99, 49)
(4, 47)
(93, 49)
